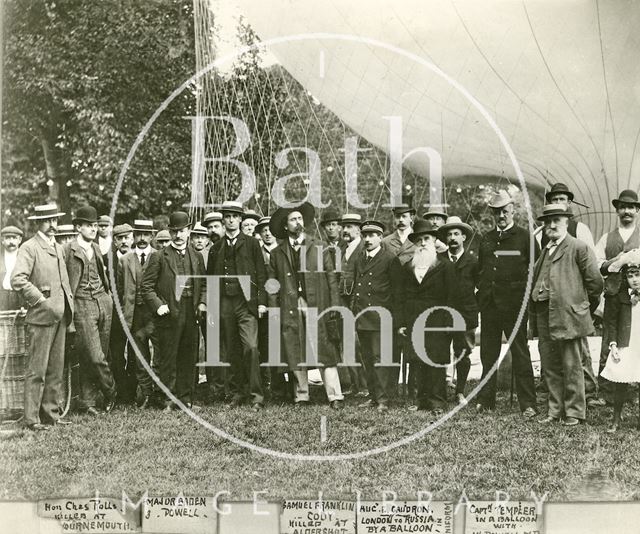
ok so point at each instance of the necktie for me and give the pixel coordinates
(454, 258)
(635, 297)
(296, 244)
(142, 258)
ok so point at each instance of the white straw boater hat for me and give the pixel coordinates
(45, 211)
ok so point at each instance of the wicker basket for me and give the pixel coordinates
(14, 344)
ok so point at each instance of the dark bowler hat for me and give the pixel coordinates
(231, 206)
(45, 211)
(278, 220)
(250, 214)
(122, 229)
(65, 230)
(163, 235)
(179, 220)
(104, 220)
(142, 225)
(552, 210)
(330, 215)
(212, 216)
(456, 222)
(399, 210)
(557, 189)
(264, 221)
(627, 196)
(435, 210)
(86, 214)
(11, 230)
(423, 227)
(372, 226)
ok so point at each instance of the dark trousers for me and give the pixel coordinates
(590, 380)
(240, 338)
(92, 320)
(177, 337)
(562, 364)
(122, 363)
(432, 379)
(495, 322)
(463, 343)
(380, 380)
(43, 374)
(274, 376)
(142, 331)
(606, 387)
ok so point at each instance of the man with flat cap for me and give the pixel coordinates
(566, 288)
(376, 277)
(503, 266)
(163, 239)
(456, 234)
(137, 315)
(213, 223)
(92, 320)
(11, 238)
(105, 225)
(330, 224)
(40, 275)
(199, 240)
(175, 292)
(426, 282)
(609, 248)
(65, 234)
(239, 254)
(306, 280)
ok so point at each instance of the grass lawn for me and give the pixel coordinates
(137, 451)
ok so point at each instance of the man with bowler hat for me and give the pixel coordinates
(92, 320)
(11, 238)
(239, 254)
(456, 235)
(566, 287)
(40, 274)
(174, 290)
(609, 248)
(503, 265)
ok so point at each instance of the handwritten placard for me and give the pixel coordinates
(515, 517)
(179, 515)
(92, 514)
(405, 516)
(316, 517)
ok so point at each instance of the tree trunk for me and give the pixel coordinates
(57, 170)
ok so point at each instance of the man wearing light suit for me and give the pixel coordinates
(137, 315)
(40, 274)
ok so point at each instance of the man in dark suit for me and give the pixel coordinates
(503, 266)
(566, 287)
(376, 274)
(92, 320)
(174, 290)
(123, 367)
(426, 282)
(11, 238)
(455, 234)
(238, 254)
(137, 315)
(41, 276)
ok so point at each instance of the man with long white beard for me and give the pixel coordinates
(426, 281)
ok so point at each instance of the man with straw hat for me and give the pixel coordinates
(40, 274)
(566, 287)
(455, 235)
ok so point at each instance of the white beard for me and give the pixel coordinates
(424, 258)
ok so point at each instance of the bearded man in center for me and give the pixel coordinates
(427, 282)
(306, 279)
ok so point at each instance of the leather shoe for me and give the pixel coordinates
(109, 405)
(570, 421)
(548, 420)
(336, 405)
(92, 410)
(38, 427)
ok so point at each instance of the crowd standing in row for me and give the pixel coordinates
(270, 268)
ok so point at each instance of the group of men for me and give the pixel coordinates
(359, 305)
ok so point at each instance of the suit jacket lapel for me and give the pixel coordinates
(46, 246)
(170, 257)
(560, 249)
(439, 264)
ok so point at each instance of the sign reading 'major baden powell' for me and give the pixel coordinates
(177, 515)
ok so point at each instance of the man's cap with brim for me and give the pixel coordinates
(455, 222)
(500, 200)
(628, 196)
(104, 220)
(85, 214)
(421, 228)
(122, 229)
(231, 206)
(65, 230)
(199, 230)
(212, 216)
(250, 214)
(372, 226)
(179, 220)
(351, 218)
(264, 221)
(142, 225)
(330, 215)
(558, 189)
(163, 235)
(45, 211)
(553, 210)
(435, 211)
(11, 231)
(278, 221)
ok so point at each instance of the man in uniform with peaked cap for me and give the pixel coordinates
(40, 274)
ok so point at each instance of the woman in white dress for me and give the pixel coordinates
(623, 363)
